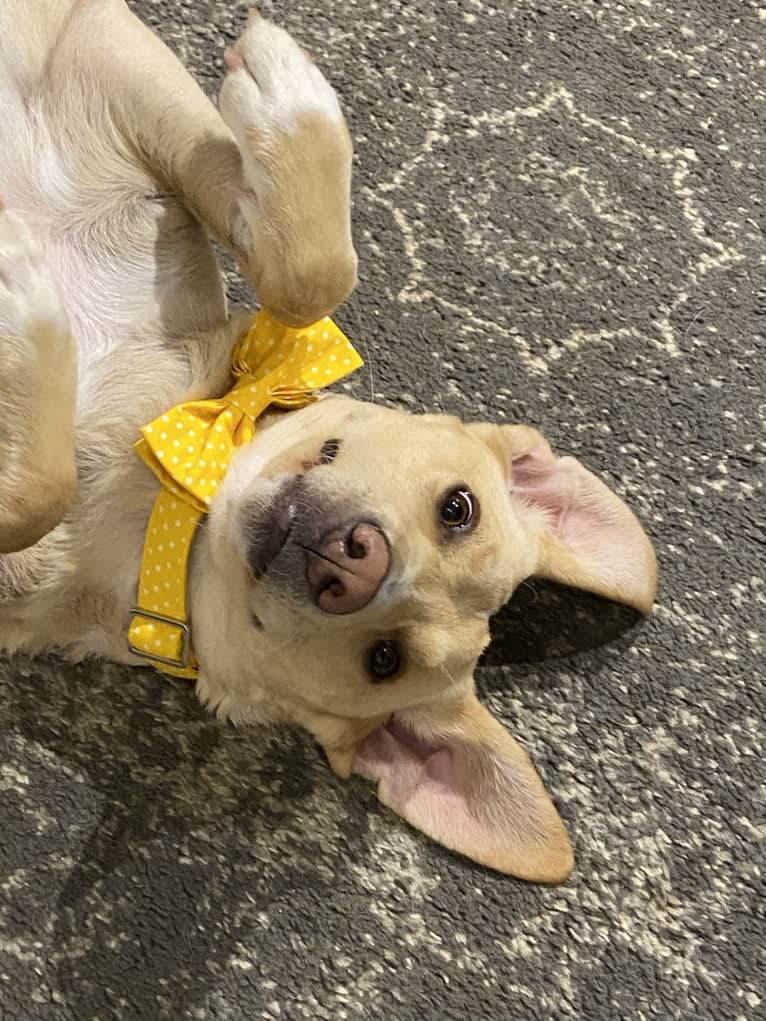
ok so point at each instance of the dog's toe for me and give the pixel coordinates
(272, 81)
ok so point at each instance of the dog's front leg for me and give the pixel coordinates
(291, 224)
(37, 393)
(272, 183)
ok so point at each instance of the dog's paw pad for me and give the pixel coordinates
(27, 291)
(271, 82)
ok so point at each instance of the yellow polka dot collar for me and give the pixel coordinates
(190, 448)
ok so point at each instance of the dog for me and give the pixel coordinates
(347, 569)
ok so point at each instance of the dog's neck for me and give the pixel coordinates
(190, 447)
(74, 589)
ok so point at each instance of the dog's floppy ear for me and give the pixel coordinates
(586, 536)
(452, 771)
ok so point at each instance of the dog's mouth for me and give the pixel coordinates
(275, 527)
(314, 542)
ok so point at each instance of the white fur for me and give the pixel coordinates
(28, 293)
(89, 255)
(254, 93)
(254, 96)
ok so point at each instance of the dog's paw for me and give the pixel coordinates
(292, 233)
(271, 85)
(28, 295)
(37, 392)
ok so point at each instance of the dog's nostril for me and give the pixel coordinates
(355, 549)
(365, 541)
(329, 451)
(348, 568)
(333, 585)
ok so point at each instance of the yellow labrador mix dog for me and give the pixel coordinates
(345, 575)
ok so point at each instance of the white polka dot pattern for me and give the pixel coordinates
(190, 448)
(273, 364)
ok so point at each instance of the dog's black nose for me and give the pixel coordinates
(348, 567)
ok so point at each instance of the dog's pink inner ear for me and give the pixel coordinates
(587, 536)
(582, 533)
(473, 790)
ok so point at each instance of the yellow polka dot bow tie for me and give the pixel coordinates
(190, 448)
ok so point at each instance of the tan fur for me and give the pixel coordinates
(115, 194)
(637, 587)
(37, 393)
(311, 270)
(558, 563)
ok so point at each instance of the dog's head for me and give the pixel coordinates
(355, 555)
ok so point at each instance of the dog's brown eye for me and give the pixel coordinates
(383, 660)
(457, 510)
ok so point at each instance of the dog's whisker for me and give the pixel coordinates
(445, 671)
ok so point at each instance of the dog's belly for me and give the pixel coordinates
(142, 261)
(122, 253)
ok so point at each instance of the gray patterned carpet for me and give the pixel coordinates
(559, 211)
